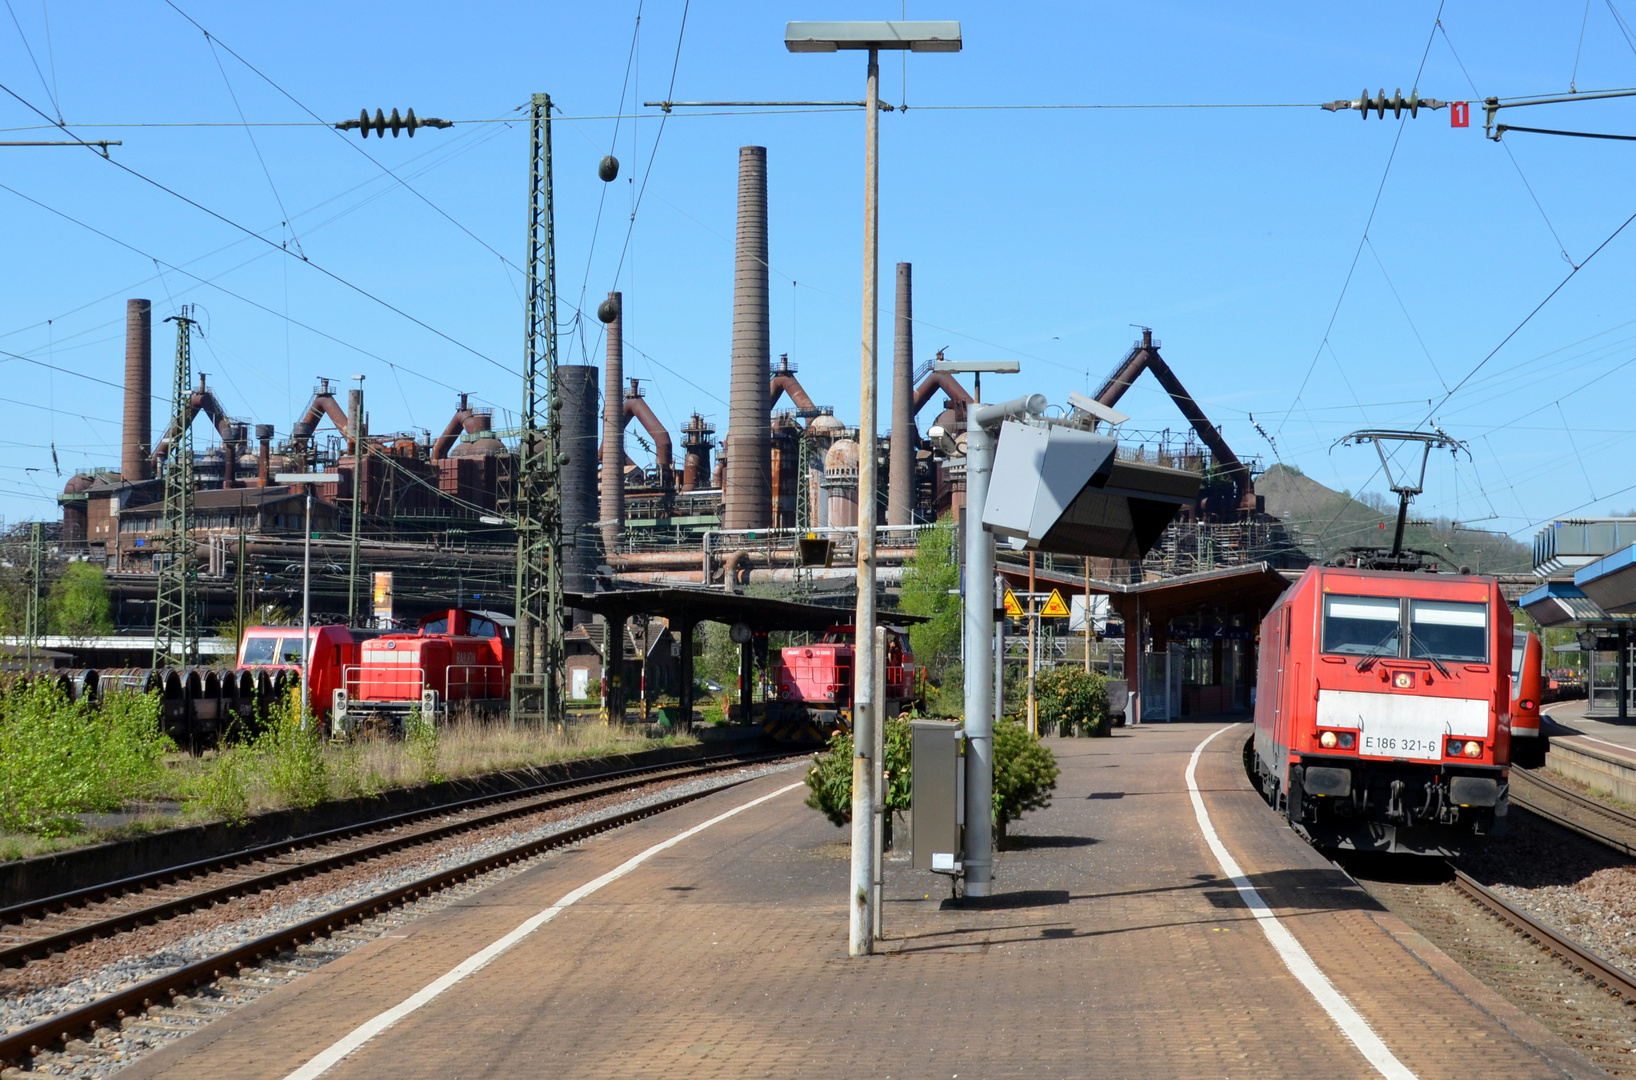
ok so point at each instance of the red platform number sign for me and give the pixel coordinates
(1459, 114)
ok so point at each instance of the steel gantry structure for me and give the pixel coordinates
(536, 684)
(172, 636)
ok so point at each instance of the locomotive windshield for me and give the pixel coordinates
(260, 650)
(1362, 625)
(1437, 629)
(1443, 630)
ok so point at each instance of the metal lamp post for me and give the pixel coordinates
(871, 37)
(306, 480)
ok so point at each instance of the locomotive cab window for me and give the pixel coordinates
(482, 628)
(1443, 630)
(260, 650)
(290, 651)
(436, 626)
(1362, 625)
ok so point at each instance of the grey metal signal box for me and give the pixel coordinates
(937, 794)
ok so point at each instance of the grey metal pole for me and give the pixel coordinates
(983, 672)
(980, 668)
(880, 780)
(860, 941)
(306, 615)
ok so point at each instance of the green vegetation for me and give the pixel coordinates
(78, 602)
(931, 582)
(1326, 522)
(1066, 696)
(61, 758)
(830, 776)
(1025, 774)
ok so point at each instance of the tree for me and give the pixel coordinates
(78, 603)
(931, 582)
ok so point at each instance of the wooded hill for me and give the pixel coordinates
(1326, 522)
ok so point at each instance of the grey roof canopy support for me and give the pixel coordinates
(833, 36)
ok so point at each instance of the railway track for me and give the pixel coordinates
(1588, 817)
(41, 927)
(59, 923)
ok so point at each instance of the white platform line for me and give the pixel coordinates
(1296, 958)
(363, 1033)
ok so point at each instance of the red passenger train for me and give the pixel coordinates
(1382, 717)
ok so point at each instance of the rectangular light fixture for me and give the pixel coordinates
(977, 367)
(831, 36)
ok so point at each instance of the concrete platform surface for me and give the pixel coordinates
(1566, 720)
(1115, 948)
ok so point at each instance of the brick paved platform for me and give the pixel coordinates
(1114, 949)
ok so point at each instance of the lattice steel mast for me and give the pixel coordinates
(536, 685)
(171, 632)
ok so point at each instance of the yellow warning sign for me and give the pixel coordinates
(1056, 607)
(1012, 608)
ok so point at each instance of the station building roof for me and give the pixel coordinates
(1611, 581)
(684, 605)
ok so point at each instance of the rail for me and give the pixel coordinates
(1578, 802)
(1581, 960)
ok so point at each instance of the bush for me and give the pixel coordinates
(223, 789)
(1025, 774)
(1068, 695)
(421, 736)
(830, 776)
(60, 758)
(292, 756)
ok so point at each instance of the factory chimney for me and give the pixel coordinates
(133, 458)
(576, 386)
(612, 312)
(900, 506)
(748, 480)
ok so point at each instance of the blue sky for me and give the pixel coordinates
(1036, 234)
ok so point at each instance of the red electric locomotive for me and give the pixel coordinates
(1528, 742)
(1382, 717)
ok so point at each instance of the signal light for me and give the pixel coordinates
(1526, 705)
(1397, 103)
(394, 123)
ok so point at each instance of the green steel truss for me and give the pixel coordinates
(536, 685)
(172, 634)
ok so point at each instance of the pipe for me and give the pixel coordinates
(451, 433)
(940, 380)
(138, 427)
(264, 457)
(730, 569)
(636, 406)
(749, 453)
(900, 481)
(201, 400)
(612, 455)
(323, 404)
(785, 382)
(1146, 356)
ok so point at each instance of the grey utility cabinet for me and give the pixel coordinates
(937, 794)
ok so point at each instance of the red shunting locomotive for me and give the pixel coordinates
(1382, 717)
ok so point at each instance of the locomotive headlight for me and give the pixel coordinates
(1328, 740)
(1347, 739)
(1474, 749)
(1526, 705)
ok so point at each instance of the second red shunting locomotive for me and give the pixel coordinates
(814, 682)
(1382, 716)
